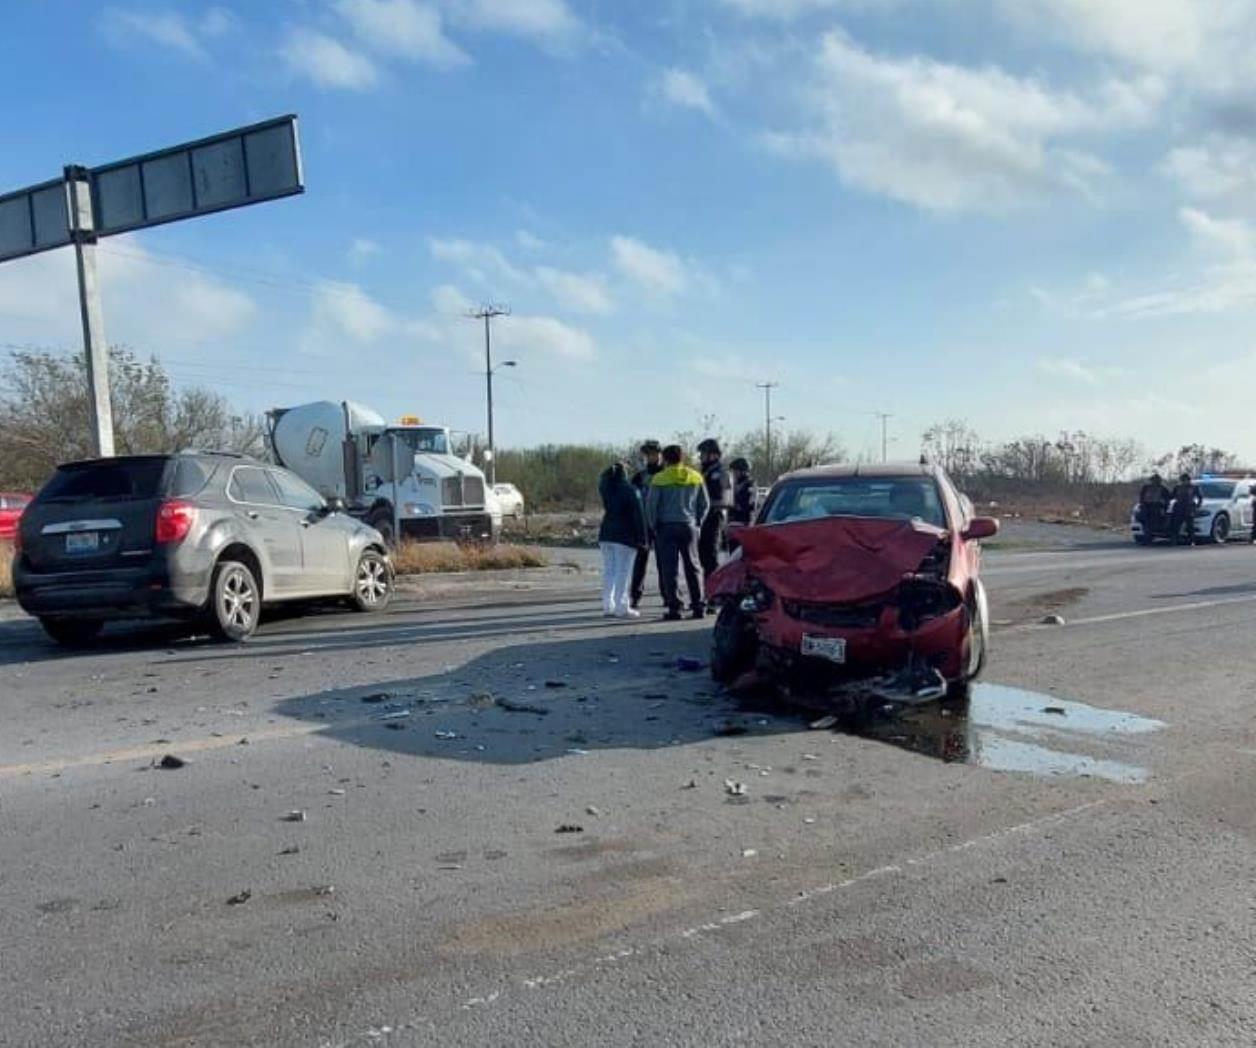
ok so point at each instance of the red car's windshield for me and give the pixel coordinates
(890, 498)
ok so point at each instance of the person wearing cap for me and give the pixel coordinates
(719, 489)
(745, 498)
(651, 463)
(677, 500)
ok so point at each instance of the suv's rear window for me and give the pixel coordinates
(190, 476)
(119, 479)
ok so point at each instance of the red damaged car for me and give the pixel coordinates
(856, 575)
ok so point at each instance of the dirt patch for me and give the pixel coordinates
(6, 570)
(424, 558)
(1038, 604)
(514, 933)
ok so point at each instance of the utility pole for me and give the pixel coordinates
(486, 313)
(767, 388)
(885, 417)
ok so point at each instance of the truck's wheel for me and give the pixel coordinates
(235, 602)
(382, 521)
(372, 583)
(733, 644)
(72, 633)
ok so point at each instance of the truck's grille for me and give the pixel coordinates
(451, 491)
(472, 491)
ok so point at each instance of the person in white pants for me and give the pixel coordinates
(621, 535)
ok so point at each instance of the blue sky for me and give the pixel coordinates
(1032, 214)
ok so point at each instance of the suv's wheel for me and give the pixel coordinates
(72, 633)
(1220, 528)
(372, 582)
(382, 521)
(235, 601)
(733, 644)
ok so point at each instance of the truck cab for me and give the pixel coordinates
(402, 478)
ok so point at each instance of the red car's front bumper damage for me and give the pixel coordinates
(883, 589)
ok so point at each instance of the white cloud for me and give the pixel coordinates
(1065, 367)
(1229, 236)
(788, 10)
(951, 138)
(169, 30)
(482, 262)
(581, 292)
(404, 29)
(327, 62)
(657, 271)
(1218, 166)
(549, 20)
(529, 241)
(527, 335)
(686, 90)
(362, 250)
(350, 311)
(149, 303)
(448, 300)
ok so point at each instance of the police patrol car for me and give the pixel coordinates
(1226, 511)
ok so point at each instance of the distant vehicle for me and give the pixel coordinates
(201, 536)
(1225, 513)
(402, 479)
(857, 575)
(11, 505)
(510, 498)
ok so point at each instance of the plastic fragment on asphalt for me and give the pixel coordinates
(574, 752)
(590, 810)
(170, 761)
(1059, 711)
(292, 849)
(446, 735)
(734, 789)
(569, 827)
(749, 853)
(810, 757)
(824, 722)
(295, 815)
(324, 889)
(378, 696)
(692, 784)
(809, 820)
(522, 707)
(336, 792)
(556, 684)
(240, 898)
(393, 715)
(1053, 620)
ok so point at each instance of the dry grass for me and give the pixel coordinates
(6, 575)
(425, 558)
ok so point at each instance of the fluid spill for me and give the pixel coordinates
(1008, 729)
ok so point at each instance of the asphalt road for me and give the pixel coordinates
(1069, 864)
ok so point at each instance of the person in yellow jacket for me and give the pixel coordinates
(676, 504)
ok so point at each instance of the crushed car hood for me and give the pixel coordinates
(835, 559)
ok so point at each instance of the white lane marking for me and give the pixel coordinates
(1139, 613)
(595, 964)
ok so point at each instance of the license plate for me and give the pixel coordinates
(82, 542)
(831, 648)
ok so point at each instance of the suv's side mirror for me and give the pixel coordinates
(335, 504)
(980, 528)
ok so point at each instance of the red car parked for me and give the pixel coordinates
(856, 574)
(11, 506)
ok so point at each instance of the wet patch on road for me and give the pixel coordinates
(1008, 729)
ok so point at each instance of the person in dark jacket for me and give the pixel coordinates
(1153, 503)
(651, 463)
(719, 489)
(621, 535)
(1186, 499)
(745, 498)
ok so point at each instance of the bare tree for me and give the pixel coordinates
(953, 445)
(44, 403)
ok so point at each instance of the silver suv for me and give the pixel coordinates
(204, 536)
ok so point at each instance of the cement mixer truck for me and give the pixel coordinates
(402, 479)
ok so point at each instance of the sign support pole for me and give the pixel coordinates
(96, 349)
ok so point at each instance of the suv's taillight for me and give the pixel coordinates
(174, 521)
